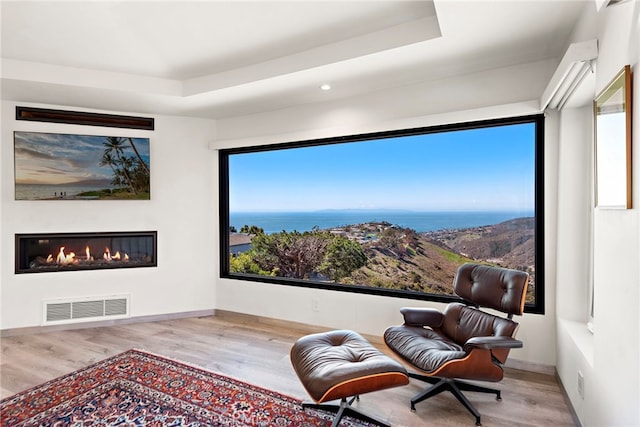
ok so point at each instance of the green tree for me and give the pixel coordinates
(390, 239)
(254, 229)
(342, 258)
(292, 254)
(244, 263)
(399, 242)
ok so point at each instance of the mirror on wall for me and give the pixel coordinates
(612, 109)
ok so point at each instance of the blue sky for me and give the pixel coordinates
(478, 169)
(50, 158)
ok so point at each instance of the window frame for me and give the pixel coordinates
(537, 119)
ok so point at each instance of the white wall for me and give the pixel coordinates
(180, 209)
(608, 358)
(184, 209)
(496, 93)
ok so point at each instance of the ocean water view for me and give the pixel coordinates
(274, 222)
(41, 191)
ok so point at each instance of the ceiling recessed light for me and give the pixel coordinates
(325, 86)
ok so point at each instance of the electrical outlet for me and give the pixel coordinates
(315, 305)
(581, 384)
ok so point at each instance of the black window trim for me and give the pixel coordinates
(538, 119)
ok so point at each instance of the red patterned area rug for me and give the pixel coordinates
(137, 388)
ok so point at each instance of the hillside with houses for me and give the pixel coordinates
(400, 258)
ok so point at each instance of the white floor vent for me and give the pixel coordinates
(82, 309)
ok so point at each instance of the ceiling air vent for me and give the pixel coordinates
(83, 309)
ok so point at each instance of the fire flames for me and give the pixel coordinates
(72, 259)
(107, 256)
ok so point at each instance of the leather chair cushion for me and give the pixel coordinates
(462, 322)
(424, 348)
(498, 288)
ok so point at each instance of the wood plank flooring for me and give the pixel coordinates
(258, 352)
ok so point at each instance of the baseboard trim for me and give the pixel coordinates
(243, 318)
(97, 324)
(572, 410)
(522, 365)
(252, 319)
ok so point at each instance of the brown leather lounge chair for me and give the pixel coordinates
(463, 342)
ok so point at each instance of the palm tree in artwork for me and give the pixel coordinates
(117, 145)
(108, 160)
(141, 162)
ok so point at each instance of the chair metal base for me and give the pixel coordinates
(455, 387)
(344, 408)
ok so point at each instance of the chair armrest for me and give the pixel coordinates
(489, 343)
(418, 316)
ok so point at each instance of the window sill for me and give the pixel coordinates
(581, 335)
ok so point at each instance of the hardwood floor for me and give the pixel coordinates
(258, 352)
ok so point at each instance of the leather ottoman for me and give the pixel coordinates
(340, 365)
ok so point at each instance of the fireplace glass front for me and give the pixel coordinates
(42, 253)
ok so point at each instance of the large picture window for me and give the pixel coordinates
(391, 213)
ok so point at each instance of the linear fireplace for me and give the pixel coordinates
(49, 252)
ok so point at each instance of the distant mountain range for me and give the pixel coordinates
(359, 210)
(85, 182)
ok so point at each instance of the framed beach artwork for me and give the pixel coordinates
(53, 166)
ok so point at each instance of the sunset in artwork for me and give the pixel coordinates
(67, 167)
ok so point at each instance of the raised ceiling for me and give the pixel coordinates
(219, 59)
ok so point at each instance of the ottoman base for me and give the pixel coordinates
(345, 409)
